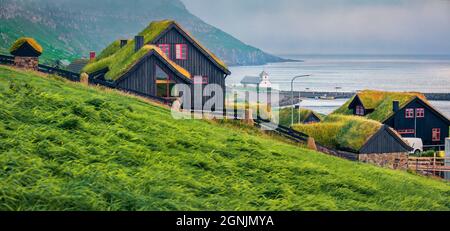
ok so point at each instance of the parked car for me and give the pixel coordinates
(416, 144)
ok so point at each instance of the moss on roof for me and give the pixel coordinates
(380, 102)
(285, 115)
(33, 43)
(109, 50)
(125, 64)
(118, 59)
(343, 132)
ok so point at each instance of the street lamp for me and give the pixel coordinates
(292, 96)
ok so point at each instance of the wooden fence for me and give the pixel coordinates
(9, 60)
(60, 72)
(429, 165)
(6, 60)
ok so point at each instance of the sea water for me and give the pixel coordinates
(350, 73)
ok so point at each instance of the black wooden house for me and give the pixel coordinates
(161, 56)
(410, 114)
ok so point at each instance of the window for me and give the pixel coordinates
(405, 131)
(420, 113)
(360, 110)
(165, 49)
(436, 134)
(201, 79)
(164, 84)
(409, 113)
(181, 51)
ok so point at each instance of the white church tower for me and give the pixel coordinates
(265, 82)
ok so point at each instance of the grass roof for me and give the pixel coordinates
(21, 41)
(109, 50)
(285, 115)
(380, 102)
(344, 132)
(118, 59)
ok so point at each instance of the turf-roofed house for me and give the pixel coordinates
(26, 52)
(300, 115)
(359, 139)
(409, 113)
(162, 55)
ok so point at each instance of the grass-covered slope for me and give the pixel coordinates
(67, 147)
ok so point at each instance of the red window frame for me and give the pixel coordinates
(181, 51)
(420, 112)
(204, 80)
(405, 131)
(409, 113)
(165, 48)
(360, 110)
(436, 134)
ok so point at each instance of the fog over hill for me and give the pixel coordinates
(69, 29)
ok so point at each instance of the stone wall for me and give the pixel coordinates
(390, 160)
(26, 62)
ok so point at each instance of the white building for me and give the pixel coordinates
(265, 82)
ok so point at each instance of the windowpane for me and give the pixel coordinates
(360, 110)
(409, 113)
(181, 51)
(165, 49)
(198, 79)
(436, 136)
(162, 90)
(406, 131)
(160, 74)
(420, 112)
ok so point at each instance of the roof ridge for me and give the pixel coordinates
(28, 40)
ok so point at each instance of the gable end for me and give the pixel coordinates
(385, 141)
(194, 43)
(425, 105)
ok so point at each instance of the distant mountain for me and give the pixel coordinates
(69, 29)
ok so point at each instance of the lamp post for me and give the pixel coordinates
(292, 96)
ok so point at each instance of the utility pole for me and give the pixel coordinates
(292, 96)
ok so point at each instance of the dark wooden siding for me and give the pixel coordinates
(383, 142)
(26, 50)
(196, 63)
(311, 119)
(423, 126)
(141, 77)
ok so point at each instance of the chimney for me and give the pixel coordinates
(395, 106)
(123, 42)
(92, 55)
(138, 42)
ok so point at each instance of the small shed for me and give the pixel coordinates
(26, 52)
(261, 81)
(77, 65)
(251, 80)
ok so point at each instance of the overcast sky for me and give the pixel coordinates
(333, 26)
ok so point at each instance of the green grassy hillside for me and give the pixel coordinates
(67, 147)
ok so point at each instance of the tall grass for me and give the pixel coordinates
(64, 146)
